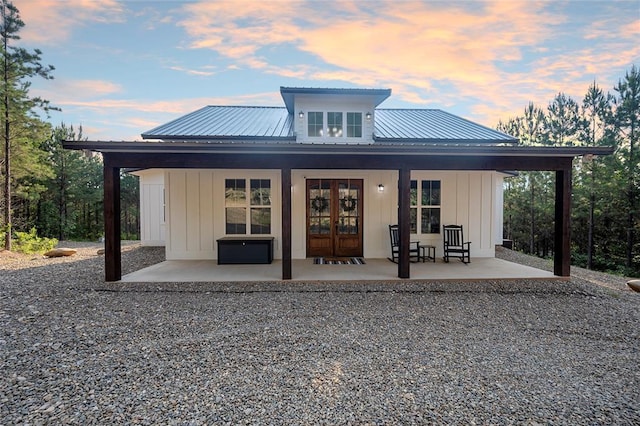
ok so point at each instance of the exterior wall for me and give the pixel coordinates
(335, 104)
(499, 210)
(195, 209)
(152, 213)
(468, 199)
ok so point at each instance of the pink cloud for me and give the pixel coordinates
(51, 21)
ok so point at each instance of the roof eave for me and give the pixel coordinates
(334, 149)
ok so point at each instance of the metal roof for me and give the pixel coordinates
(432, 125)
(276, 124)
(228, 122)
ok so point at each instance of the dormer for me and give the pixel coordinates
(333, 116)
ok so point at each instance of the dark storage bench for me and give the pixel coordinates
(238, 250)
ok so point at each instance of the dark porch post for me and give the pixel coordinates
(286, 223)
(404, 217)
(562, 243)
(112, 250)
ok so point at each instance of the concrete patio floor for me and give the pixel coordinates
(305, 270)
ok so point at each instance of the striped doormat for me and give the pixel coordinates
(339, 261)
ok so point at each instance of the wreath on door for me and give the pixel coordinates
(348, 203)
(319, 204)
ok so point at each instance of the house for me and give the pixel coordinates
(324, 175)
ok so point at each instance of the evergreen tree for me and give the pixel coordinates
(57, 216)
(596, 113)
(627, 119)
(17, 66)
(563, 121)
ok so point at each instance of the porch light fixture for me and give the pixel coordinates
(301, 114)
(368, 115)
(380, 187)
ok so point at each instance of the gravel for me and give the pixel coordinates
(76, 350)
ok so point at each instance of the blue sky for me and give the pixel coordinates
(124, 67)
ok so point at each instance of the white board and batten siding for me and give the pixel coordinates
(152, 208)
(195, 209)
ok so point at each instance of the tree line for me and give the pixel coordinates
(605, 190)
(59, 192)
(45, 187)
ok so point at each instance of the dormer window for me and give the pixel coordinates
(334, 126)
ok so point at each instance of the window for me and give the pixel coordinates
(426, 204)
(334, 124)
(315, 124)
(334, 127)
(354, 124)
(260, 206)
(256, 204)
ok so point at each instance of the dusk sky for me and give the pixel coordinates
(124, 67)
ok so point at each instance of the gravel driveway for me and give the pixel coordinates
(74, 351)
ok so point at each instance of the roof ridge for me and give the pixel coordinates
(244, 106)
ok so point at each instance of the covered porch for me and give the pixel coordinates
(287, 157)
(304, 270)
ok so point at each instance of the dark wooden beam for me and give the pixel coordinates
(404, 219)
(286, 223)
(112, 252)
(327, 161)
(562, 237)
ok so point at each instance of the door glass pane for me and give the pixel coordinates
(314, 225)
(325, 226)
(319, 207)
(349, 199)
(348, 226)
(319, 202)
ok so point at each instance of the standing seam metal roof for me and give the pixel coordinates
(392, 125)
(431, 124)
(227, 121)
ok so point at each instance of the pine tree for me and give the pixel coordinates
(563, 121)
(596, 113)
(627, 119)
(17, 66)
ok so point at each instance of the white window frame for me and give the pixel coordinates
(327, 133)
(419, 206)
(248, 206)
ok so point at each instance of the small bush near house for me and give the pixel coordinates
(29, 242)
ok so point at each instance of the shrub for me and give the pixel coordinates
(29, 242)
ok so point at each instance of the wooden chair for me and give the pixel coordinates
(414, 246)
(454, 243)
